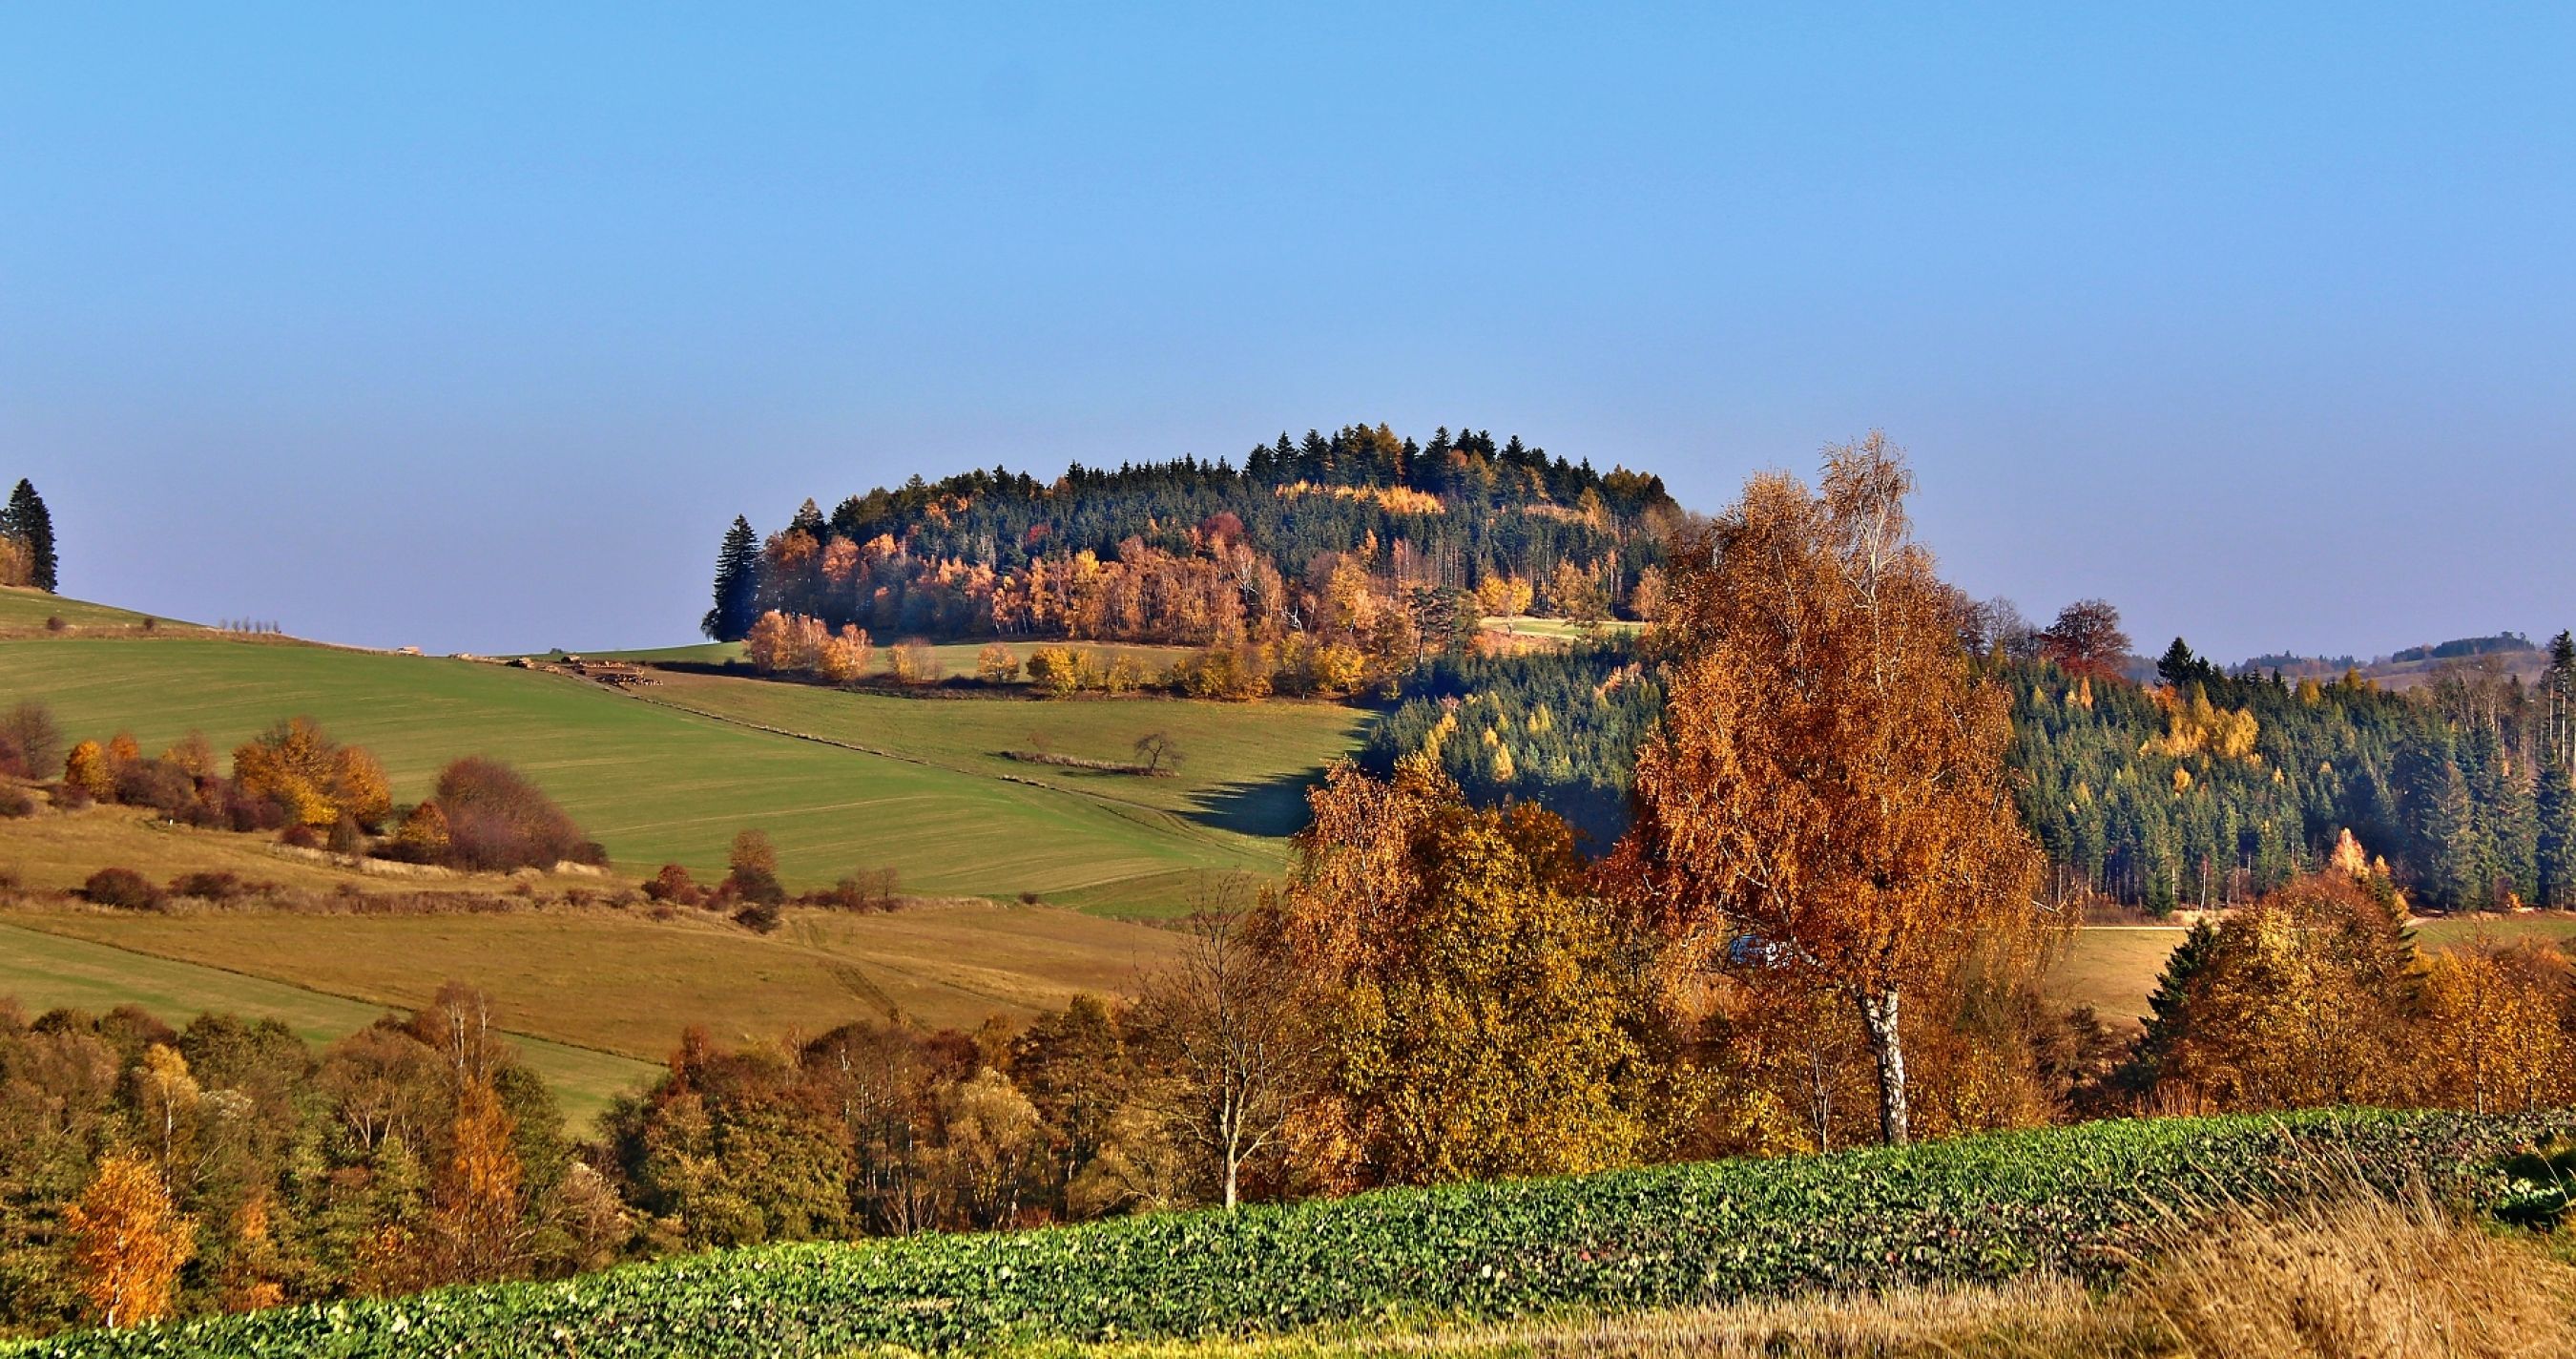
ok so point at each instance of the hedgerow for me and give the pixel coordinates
(2066, 1200)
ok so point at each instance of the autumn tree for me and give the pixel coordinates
(476, 1212)
(128, 1241)
(996, 664)
(1230, 1046)
(2086, 639)
(87, 769)
(2301, 998)
(1828, 789)
(1482, 1004)
(2491, 1030)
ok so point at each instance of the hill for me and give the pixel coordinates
(2073, 1202)
(1334, 534)
(659, 784)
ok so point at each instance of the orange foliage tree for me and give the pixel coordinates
(128, 1241)
(1484, 1008)
(1827, 794)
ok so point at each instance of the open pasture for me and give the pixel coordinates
(2114, 968)
(656, 784)
(47, 971)
(624, 982)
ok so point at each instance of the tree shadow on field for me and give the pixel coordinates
(1271, 807)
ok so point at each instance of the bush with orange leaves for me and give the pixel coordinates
(315, 779)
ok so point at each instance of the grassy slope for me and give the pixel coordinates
(27, 611)
(624, 983)
(43, 971)
(655, 784)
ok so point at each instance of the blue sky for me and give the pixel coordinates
(470, 326)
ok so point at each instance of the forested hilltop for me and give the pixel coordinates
(2196, 788)
(1353, 532)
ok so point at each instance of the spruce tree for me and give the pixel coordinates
(27, 520)
(2557, 839)
(737, 584)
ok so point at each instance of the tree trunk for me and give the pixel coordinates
(1878, 1015)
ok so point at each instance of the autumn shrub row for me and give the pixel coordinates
(2070, 1200)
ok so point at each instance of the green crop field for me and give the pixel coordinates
(656, 784)
(43, 971)
(2066, 1203)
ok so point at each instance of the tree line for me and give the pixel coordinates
(1315, 536)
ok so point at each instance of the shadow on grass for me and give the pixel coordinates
(1271, 807)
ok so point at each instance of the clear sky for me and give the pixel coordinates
(472, 326)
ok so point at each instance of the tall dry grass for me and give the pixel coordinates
(2358, 1275)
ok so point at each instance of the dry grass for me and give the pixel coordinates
(624, 982)
(2355, 1275)
(2114, 968)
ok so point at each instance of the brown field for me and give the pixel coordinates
(623, 982)
(2113, 968)
(58, 851)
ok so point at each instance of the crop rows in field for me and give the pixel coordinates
(1980, 1209)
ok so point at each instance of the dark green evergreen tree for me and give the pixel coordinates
(737, 584)
(27, 520)
(2556, 848)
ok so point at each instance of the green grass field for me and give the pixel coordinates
(655, 784)
(46, 971)
(28, 611)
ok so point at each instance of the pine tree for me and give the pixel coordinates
(737, 585)
(2557, 838)
(27, 520)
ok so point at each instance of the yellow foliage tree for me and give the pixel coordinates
(1480, 1001)
(996, 664)
(846, 655)
(128, 1241)
(2491, 1027)
(86, 768)
(295, 765)
(476, 1213)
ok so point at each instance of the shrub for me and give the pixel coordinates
(71, 797)
(300, 836)
(913, 662)
(1055, 670)
(209, 886)
(54, 622)
(88, 770)
(760, 916)
(30, 743)
(996, 664)
(498, 820)
(157, 784)
(1228, 674)
(122, 888)
(673, 884)
(16, 802)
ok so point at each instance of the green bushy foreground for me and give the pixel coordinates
(1981, 1209)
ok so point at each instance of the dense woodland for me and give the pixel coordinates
(1319, 536)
